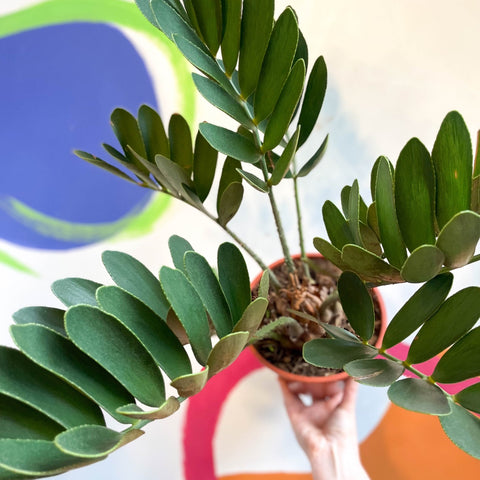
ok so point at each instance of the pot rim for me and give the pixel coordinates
(293, 377)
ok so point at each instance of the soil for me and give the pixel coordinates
(299, 293)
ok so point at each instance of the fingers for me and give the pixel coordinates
(324, 402)
(293, 404)
(316, 390)
(349, 395)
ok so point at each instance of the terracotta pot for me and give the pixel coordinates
(292, 377)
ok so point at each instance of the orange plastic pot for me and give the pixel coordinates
(292, 377)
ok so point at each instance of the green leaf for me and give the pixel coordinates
(230, 143)
(181, 150)
(419, 396)
(257, 23)
(476, 162)
(112, 345)
(150, 330)
(462, 361)
(314, 159)
(268, 330)
(47, 316)
(283, 164)
(463, 429)
(302, 49)
(370, 240)
(144, 7)
(423, 264)
(475, 205)
(204, 165)
(369, 266)
(153, 133)
(285, 107)
(208, 288)
(252, 317)
(178, 179)
(345, 199)
(452, 158)
(458, 238)
(204, 62)
(93, 441)
(313, 99)
(9, 475)
(218, 97)
(470, 398)
(168, 408)
(455, 317)
(353, 216)
(339, 333)
(335, 353)
(330, 253)
(102, 164)
(154, 172)
(173, 20)
(75, 291)
(357, 304)
(387, 220)
(234, 279)
(192, 16)
(60, 357)
(18, 420)
(229, 175)
(375, 372)
(209, 17)
(372, 219)
(25, 381)
(138, 168)
(226, 351)
(415, 195)
(417, 310)
(229, 202)
(254, 181)
(178, 247)
(189, 385)
(475, 202)
(232, 11)
(264, 285)
(276, 64)
(126, 129)
(131, 275)
(36, 458)
(374, 172)
(189, 309)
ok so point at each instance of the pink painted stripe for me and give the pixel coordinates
(401, 351)
(202, 416)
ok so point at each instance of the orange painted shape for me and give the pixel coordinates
(412, 446)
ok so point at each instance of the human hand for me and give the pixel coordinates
(326, 428)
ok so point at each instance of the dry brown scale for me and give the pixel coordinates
(307, 294)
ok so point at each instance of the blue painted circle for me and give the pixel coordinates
(58, 86)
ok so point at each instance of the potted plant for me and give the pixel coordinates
(105, 351)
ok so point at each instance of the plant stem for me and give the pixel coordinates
(278, 220)
(407, 366)
(252, 254)
(299, 218)
(232, 234)
(474, 259)
(271, 197)
(245, 247)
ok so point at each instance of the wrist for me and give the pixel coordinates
(337, 465)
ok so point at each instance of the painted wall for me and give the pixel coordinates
(395, 70)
